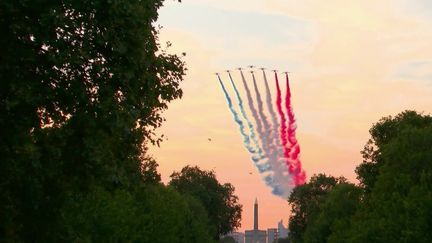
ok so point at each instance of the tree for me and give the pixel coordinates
(227, 239)
(82, 86)
(335, 214)
(305, 201)
(149, 172)
(394, 201)
(283, 240)
(382, 133)
(222, 207)
(154, 214)
(399, 208)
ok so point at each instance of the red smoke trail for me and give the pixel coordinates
(283, 127)
(295, 167)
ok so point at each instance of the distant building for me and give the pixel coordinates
(238, 236)
(256, 235)
(283, 232)
(272, 235)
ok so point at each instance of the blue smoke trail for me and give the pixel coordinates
(258, 149)
(237, 119)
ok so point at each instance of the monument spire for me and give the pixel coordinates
(256, 214)
(255, 235)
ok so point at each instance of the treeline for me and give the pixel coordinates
(147, 212)
(392, 203)
(82, 88)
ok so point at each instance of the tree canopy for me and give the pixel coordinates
(394, 198)
(82, 88)
(305, 201)
(219, 200)
(334, 214)
(227, 239)
(384, 131)
(398, 207)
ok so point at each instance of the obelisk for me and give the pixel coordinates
(256, 215)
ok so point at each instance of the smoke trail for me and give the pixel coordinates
(266, 135)
(264, 167)
(283, 181)
(272, 144)
(282, 134)
(295, 167)
(251, 106)
(274, 137)
(283, 127)
(258, 151)
(266, 141)
(246, 139)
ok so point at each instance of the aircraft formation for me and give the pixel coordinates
(270, 135)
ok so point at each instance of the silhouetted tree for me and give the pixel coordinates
(82, 85)
(305, 201)
(149, 172)
(283, 240)
(394, 201)
(399, 206)
(382, 133)
(219, 200)
(335, 214)
(227, 239)
(123, 216)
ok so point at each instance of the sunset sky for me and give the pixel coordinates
(352, 62)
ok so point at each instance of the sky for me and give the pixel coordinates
(351, 63)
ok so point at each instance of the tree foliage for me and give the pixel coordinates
(283, 240)
(305, 201)
(227, 239)
(335, 214)
(381, 134)
(219, 200)
(399, 205)
(82, 87)
(393, 202)
(149, 173)
(122, 216)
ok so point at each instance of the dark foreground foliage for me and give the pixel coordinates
(82, 87)
(224, 211)
(393, 202)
